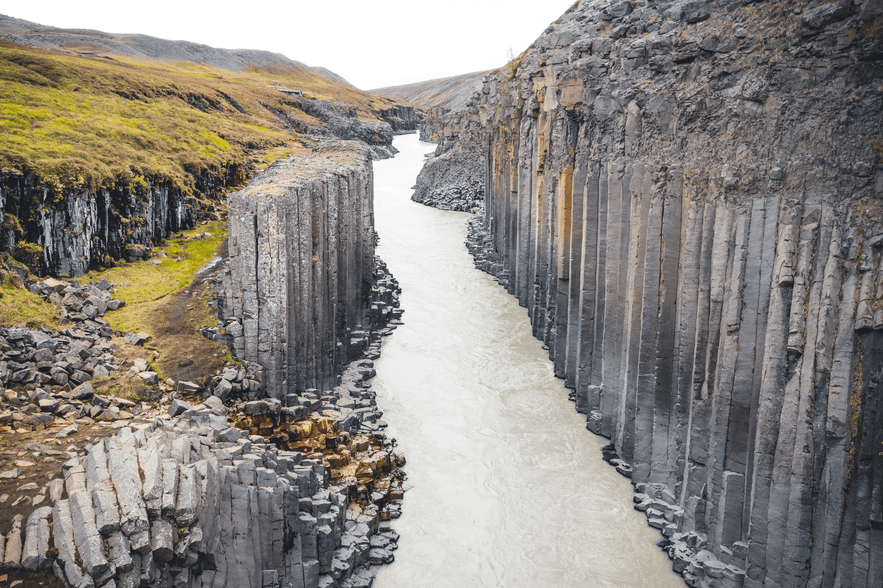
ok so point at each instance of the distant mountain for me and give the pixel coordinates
(332, 76)
(89, 42)
(449, 93)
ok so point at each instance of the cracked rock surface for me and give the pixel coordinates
(686, 196)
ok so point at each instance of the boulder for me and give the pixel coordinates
(178, 407)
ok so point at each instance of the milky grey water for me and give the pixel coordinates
(506, 485)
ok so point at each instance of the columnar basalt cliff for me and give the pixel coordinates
(79, 229)
(282, 475)
(686, 196)
(302, 255)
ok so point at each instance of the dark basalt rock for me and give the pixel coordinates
(686, 196)
(79, 230)
(451, 181)
(303, 331)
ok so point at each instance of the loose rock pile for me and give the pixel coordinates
(384, 313)
(345, 426)
(191, 501)
(52, 371)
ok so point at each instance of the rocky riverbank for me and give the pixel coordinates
(207, 504)
(308, 485)
(240, 479)
(685, 196)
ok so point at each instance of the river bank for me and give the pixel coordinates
(235, 479)
(504, 484)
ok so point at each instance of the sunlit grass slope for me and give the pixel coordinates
(90, 121)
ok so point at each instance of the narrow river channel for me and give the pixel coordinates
(506, 486)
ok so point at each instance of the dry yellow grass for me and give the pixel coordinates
(91, 121)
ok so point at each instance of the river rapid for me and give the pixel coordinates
(506, 487)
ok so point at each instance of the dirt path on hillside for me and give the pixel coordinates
(187, 355)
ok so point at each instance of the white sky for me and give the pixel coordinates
(371, 44)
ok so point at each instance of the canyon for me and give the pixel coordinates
(684, 195)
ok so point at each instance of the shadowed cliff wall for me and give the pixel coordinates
(302, 260)
(78, 230)
(686, 196)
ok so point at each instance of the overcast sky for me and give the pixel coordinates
(371, 44)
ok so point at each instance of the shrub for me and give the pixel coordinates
(28, 253)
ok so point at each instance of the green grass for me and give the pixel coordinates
(147, 284)
(89, 122)
(21, 307)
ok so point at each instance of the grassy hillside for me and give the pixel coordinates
(87, 121)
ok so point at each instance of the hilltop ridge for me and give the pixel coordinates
(85, 42)
(451, 93)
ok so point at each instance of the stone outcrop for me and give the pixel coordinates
(686, 196)
(302, 259)
(78, 230)
(192, 501)
(453, 180)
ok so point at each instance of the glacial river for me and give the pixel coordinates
(506, 486)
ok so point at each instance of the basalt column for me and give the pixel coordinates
(302, 254)
(686, 197)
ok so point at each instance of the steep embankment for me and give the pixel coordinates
(686, 196)
(304, 303)
(437, 98)
(105, 152)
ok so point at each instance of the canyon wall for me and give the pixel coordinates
(686, 196)
(76, 230)
(288, 484)
(302, 260)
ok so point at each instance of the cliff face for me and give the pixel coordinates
(402, 119)
(79, 229)
(686, 196)
(302, 259)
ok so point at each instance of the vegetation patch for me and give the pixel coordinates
(87, 122)
(169, 302)
(513, 63)
(143, 284)
(21, 307)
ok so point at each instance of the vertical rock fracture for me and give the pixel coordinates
(686, 196)
(302, 256)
